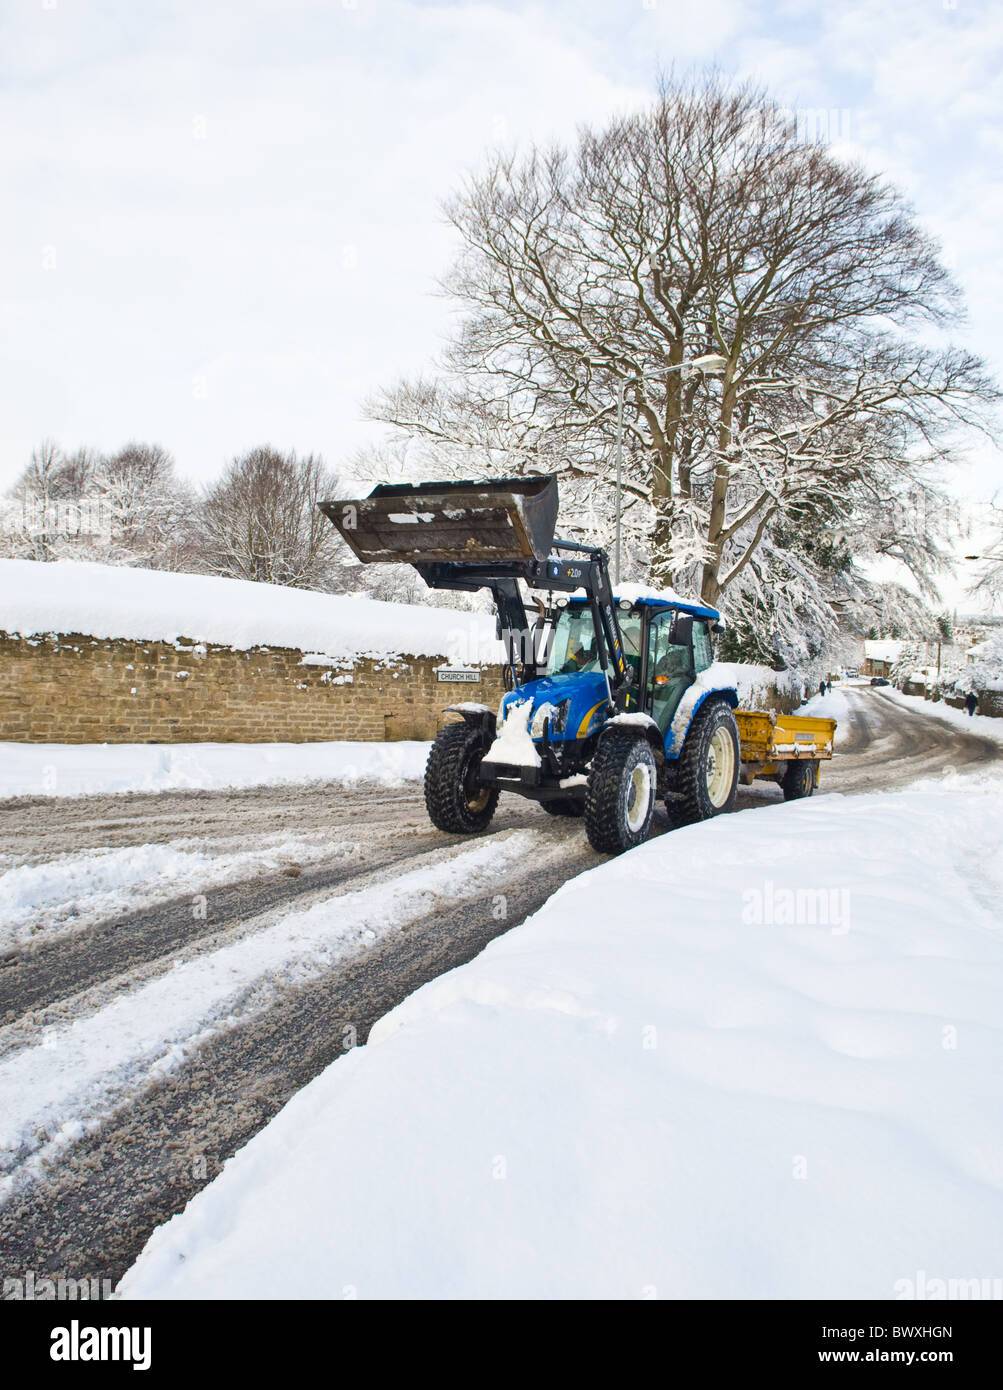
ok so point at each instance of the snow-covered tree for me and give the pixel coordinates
(910, 658)
(149, 510)
(705, 227)
(985, 672)
(42, 515)
(129, 508)
(989, 583)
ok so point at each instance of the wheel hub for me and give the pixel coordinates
(638, 796)
(476, 794)
(720, 767)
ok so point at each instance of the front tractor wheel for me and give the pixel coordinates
(455, 800)
(709, 764)
(621, 794)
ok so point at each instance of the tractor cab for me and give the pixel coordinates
(666, 644)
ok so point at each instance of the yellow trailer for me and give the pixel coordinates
(785, 748)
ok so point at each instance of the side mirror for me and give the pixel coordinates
(681, 631)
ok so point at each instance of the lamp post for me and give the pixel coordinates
(710, 364)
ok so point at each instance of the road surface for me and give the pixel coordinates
(85, 1209)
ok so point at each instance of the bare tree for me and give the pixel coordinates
(43, 516)
(260, 521)
(703, 226)
(126, 509)
(988, 584)
(150, 511)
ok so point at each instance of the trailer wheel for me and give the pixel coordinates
(564, 806)
(621, 794)
(454, 799)
(799, 780)
(709, 764)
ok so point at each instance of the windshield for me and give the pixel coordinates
(573, 647)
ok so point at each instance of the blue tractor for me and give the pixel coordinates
(612, 700)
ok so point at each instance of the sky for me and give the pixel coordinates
(222, 222)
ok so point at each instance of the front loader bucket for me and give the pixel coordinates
(499, 521)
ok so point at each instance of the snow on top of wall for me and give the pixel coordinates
(108, 601)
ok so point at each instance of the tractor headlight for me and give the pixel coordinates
(557, 714)
(546, 711)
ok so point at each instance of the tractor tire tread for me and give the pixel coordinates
(445, 801)
(604, 818)
(694, 804)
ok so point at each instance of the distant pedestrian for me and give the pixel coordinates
(821, 687)
(971, 702)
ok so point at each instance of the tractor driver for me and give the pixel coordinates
(579, 657)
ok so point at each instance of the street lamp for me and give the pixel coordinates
(710, 364)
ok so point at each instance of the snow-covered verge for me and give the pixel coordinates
(93, 769)
(980, 724)
(832, 705)
(108, 601)
(679, 1079)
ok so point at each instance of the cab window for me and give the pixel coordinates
(670, 671)
(703, 647)
(573, 646)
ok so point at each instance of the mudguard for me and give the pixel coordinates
(692, 701)
(477, 715)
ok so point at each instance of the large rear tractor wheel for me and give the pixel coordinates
(709, 764)
(799, 780)
(455, 800)
(621, 793)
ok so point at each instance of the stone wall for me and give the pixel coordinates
(79, 689)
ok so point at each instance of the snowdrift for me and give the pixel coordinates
(103, 769)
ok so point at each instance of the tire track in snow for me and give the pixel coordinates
(51, 1091)
(97, 1205)
(54, 971)
(96, 1209)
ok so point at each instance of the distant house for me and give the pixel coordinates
(880, 657)
(976, 653)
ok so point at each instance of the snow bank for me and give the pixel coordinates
(832, 705)
(980, 724)
(99, 769)
(108, 601)
(662, 1086)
